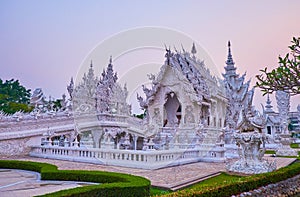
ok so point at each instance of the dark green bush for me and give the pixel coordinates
(294, 145)
(27, 165)
(112, 184)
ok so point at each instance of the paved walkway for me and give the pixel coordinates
(170, 177)
(20, 183)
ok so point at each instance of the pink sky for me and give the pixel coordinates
(43, 43)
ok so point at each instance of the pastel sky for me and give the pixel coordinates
(43, 43)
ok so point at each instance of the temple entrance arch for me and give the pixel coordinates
(172, 110)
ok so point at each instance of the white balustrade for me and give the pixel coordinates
(130, 158)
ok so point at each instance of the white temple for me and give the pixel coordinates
(190, 116)
(185, 113)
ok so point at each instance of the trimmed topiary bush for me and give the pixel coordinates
(112, 184)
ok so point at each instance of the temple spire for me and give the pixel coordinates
(229, 57)
(194, 51)
(268, 105)
(110, 60)
(229, 68)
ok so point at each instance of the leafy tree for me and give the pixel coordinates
(13, 97)
(286, 76)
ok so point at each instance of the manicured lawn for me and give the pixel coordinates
(211, 182)
(214, 181)
(270, 152)
(158, 192)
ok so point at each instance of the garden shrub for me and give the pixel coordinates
(111, 183)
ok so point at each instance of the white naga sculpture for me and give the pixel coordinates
(251, 142)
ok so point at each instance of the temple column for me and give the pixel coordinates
(135, 141)
(182, 121)
(97, 134)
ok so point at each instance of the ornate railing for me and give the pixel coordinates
(151, 159)
(32, 123)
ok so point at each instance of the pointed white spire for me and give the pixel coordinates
(268, 105)
(193, 51)
(70, 88)
(229, 68)
(229, 57)
(90, 75)
(108, 75)
(182, 48)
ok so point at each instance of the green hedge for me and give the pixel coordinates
(294, 145)
(238, 185)
(270, 152)
(112, 184)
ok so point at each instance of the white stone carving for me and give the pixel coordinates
(37, 98)
(249, 139)
(14, 147)
(237, 92)
(283, 105)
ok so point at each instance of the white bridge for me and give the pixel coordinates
(25, 135)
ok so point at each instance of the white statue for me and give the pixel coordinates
(249, 139)
(283, 105)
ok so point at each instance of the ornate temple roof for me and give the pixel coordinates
(192, 69)
(101, 95)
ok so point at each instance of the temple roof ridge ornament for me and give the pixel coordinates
(185, 67)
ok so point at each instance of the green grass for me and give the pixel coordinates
(214, 181)
(227, 185)
(294, 145)
(270, 152)
(158, 192)
(289, 156)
